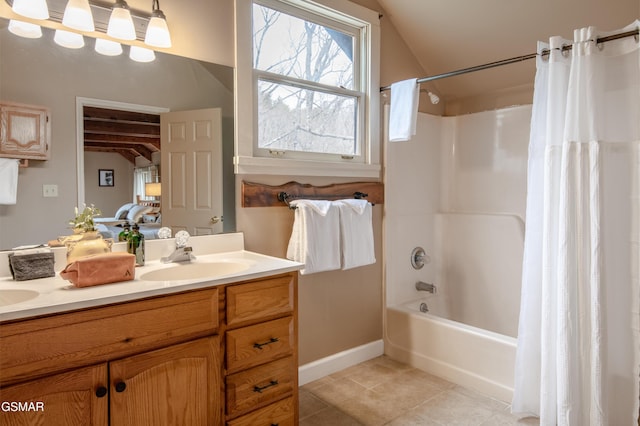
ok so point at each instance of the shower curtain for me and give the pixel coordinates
(578, 353)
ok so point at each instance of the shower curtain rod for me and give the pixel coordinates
(632, 33)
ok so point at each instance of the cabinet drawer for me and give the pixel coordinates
(253, 302)
(259, 386)
(260, 343)
(281, 413)
(41, 346)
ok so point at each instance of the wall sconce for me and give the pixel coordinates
(96, 15)
(152, 189)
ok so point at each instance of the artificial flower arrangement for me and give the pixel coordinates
(83, 222)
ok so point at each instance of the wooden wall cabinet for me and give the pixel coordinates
(25, 131)
(226, 354)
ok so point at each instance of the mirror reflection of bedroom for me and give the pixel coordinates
(122, 169)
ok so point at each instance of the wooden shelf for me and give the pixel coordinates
(260, 195)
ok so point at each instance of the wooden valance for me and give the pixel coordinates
(260, 195)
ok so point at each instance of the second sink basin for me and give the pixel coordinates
(191, 271)
(11, 296)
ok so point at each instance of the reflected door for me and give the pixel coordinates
(191, 146)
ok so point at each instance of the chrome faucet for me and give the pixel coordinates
(421, 286)
(182, 253)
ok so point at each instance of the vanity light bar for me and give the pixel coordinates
(101, 11)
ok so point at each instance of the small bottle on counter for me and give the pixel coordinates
(135, 244)
(124, 234)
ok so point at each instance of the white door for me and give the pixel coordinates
(191, 175)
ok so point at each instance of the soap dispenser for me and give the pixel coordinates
(135, 244)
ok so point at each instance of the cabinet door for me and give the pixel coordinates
(178, 385)
(24, 131)
(77, 398)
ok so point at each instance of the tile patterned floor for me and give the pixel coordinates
(382, 391)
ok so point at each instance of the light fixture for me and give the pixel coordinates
(157, 31)
(152, 189)
(77, 15)
(120, 23)
(108, 47)
(35, 9)
(141, 54)
(68, 39)
(25, 29)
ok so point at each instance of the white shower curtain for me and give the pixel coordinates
(578, 353)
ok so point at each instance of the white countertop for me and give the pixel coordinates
(57, 295)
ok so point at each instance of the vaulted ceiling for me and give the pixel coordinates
(130, 134)
(447, 35)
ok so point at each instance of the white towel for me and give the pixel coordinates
(315, 238)
(356, 231)
(404, 110)
(8, 180)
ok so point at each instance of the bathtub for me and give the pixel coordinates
(469, 356)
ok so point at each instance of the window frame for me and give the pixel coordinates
(343, 16)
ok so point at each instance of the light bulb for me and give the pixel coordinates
(120, 23)
(157, 31)
(68, 39)
(141, 54)
(25, 29)
(35, 9)
(77, 15)
(108, 47)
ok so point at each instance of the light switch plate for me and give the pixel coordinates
(49, 190)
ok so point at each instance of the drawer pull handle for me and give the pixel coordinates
(260, 345)
(259, 389)
(101, 391)
(120, 387)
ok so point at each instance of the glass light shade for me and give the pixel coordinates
(77, 15)
(68, 39)
(141, 54)
(108, 47)
(25, 29)
(35, 9)
(152, 189)
(120, 23)
(157, 32)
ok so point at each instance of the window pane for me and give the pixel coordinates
(296, 119)
(294, 47)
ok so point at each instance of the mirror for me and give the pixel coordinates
(39, 72)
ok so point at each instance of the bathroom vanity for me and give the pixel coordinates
(198, 351)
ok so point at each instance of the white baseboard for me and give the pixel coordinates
(333, 363)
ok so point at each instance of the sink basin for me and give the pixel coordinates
(11, 296)
(192, 271)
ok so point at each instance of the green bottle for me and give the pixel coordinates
(124, 234)
(135, 244)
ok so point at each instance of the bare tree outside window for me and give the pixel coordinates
(307, 96)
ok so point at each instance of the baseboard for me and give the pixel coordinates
(333, 363)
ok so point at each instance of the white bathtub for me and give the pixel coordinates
(465, 355)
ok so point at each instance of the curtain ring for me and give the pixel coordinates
(564, 50)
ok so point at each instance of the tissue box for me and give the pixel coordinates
(31, 266)
(100, 269)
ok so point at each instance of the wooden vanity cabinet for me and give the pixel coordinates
(261, 355)
(226, 354)
(153, 361)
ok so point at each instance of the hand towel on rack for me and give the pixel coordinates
(404, 109)
(315, 238)
(356, 231)
(8, 180)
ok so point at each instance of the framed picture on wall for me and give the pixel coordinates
(105, 177)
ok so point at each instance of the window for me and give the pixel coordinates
(309, 88)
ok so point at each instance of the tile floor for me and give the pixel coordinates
(382, 391)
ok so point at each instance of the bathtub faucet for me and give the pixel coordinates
(421, 286)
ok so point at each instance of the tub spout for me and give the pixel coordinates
(421, 286)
